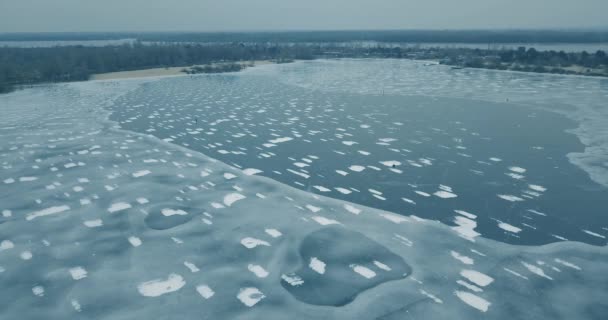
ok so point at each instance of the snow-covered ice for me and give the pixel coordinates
(191, 238)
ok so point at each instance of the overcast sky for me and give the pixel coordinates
(253, 15)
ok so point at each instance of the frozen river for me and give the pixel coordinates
(344, 189)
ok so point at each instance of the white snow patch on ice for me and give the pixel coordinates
(462, 258)
(466, 228)
(258, 270)
(352, 209)
(324, 221)
(343, 190)
(431, 296)
(47, 211)
(251, 243)
(445, 194)
(477, 277)
(158, 287)
(466, 214)
(363, 271)
(507, 227)
(356, 168)
(322, 189)
(537, 188)
(93, 223)
(408, 200)
(317, 265)
(273, 233)
(205, 291)
(167, 212)
(135, 241)
(517, 169)
(568, 264)
(141, 173)
(118, 206)
(280, 140)
(251, 171)
(313, 208)
(78, 273)
(536, 270)
(382, 266)
(591, 233)
(229, 176)
(250, 296)
(517, 274)
(292, 279)
(509, 197)
(393, 217)
(474, 301)
(391, 163)
(38, 291)
(6, 245)
(232, 198)
(76, 305)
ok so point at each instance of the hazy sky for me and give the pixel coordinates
(206, 15)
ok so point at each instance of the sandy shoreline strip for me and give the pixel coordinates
(157, 72)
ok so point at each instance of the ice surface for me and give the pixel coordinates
(336, 274)
(587, 95)
(129, 257)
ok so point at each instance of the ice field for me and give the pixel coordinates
(394, 147)
(118, 202)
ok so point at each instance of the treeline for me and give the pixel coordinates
(403, 36)
(529, 60)
(555, 58)
(521, 59)
(23, 66)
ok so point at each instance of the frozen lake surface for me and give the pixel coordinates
(344, 189)
(394, 147)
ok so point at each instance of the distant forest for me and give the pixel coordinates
(410, 36)
(25, 66)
